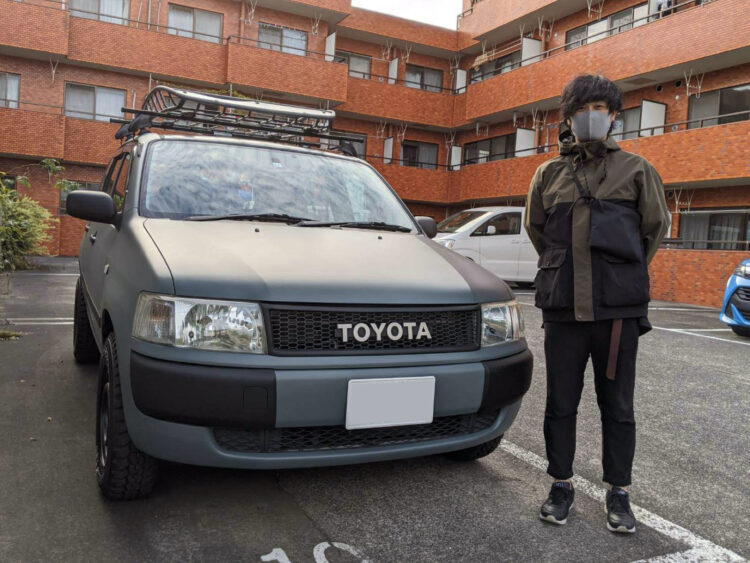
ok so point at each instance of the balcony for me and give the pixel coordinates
(487, 15)
(32, 131)
(722, 149)
(150, 51)
(306, 77)
(710, 37)
(375, 97)
(88, 141)
(417, 184)
(39, 28)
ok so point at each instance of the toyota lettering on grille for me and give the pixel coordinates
(362, 332)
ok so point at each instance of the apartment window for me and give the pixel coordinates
(8, 90)
(360, 146)
(429, 79)
(93, 102)
(8, 181)
(194, 23)
(91, 186)
(113, 11)
(627, 120)
(719, 102)
(486, 150)
(493, 68)
(715, 229)
(421, 155)
(616, 23)
(282, 39)
(359, 65)
(575, 38)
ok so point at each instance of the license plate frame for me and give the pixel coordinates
(392, 401)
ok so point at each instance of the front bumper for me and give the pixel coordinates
(194, 413)
(736, 307)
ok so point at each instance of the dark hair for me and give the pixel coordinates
(587, 88)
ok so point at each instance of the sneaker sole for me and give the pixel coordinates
(618, 529)
(552, 520)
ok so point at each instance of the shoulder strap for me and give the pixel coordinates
(581, 191)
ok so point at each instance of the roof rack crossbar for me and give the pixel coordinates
(197, 112)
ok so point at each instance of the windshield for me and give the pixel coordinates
(193, 178)
(455, 222)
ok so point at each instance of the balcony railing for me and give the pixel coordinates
(638, 22)
(713, 244)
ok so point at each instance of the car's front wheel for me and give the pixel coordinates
(739, 331)
(476, 452)
(122, 470)
(85, 350)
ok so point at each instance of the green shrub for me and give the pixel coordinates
(23, 229)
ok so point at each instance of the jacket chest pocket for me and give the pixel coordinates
(554, 280)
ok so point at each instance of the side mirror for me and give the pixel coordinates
(91, 206)
(429, 226)
(491, 230)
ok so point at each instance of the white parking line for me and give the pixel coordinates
(49, 323)
(28, 321)
(683, 331)
(700, 549)
(709, 329)
(24, 274)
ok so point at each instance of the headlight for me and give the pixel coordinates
(446, 242)
(501, 322)
(743, 270)
(231, 326)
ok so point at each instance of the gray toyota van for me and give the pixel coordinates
(255, 302)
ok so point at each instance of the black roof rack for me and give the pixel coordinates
(214, 114)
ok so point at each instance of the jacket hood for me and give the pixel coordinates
(280, 263)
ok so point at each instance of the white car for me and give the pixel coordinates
(493, 237)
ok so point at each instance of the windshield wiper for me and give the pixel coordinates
(376, 225)
(274, 217)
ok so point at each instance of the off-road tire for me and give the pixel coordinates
(85, 350)
(476, 452)
(739, 331)
(122, 470)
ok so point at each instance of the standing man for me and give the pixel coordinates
(596, 215)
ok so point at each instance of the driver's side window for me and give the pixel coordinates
(502, 224)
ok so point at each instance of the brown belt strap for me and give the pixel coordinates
(614, 348)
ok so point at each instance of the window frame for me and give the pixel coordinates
(481, 230)
(171, 30)
(421, 84)
(717, 244)
(98, 15)
(94, 115)
(356, 73)
(419, 163)
(334, 143)
(281, 45)
(719, 120)
(510, 150)
(580, 42)
(61, 209)
(8, 102)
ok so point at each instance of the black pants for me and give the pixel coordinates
(567, 347)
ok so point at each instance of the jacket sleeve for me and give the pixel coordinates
(652, 206)
(535, 215)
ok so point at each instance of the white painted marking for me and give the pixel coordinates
(19, 274)
(701, 549)
(48, 323)
(681, 331)
(21, 319)
(319, 552)
(709, 329)
(693, 309)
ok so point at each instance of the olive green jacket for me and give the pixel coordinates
(586, 272)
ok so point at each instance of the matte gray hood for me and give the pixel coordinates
(280, 263)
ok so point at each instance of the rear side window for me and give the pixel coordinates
(505, 224)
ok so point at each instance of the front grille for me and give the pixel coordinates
(743, 293)
(309, 330)
(325, 438)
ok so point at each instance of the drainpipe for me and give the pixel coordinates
(148, 19)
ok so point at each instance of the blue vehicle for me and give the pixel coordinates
(736, 308)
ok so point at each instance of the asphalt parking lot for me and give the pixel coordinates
(691, 473)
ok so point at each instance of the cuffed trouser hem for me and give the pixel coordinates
(559, 476)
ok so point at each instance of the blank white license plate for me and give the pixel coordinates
(396, 401)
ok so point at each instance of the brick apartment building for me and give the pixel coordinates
(452, 119)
